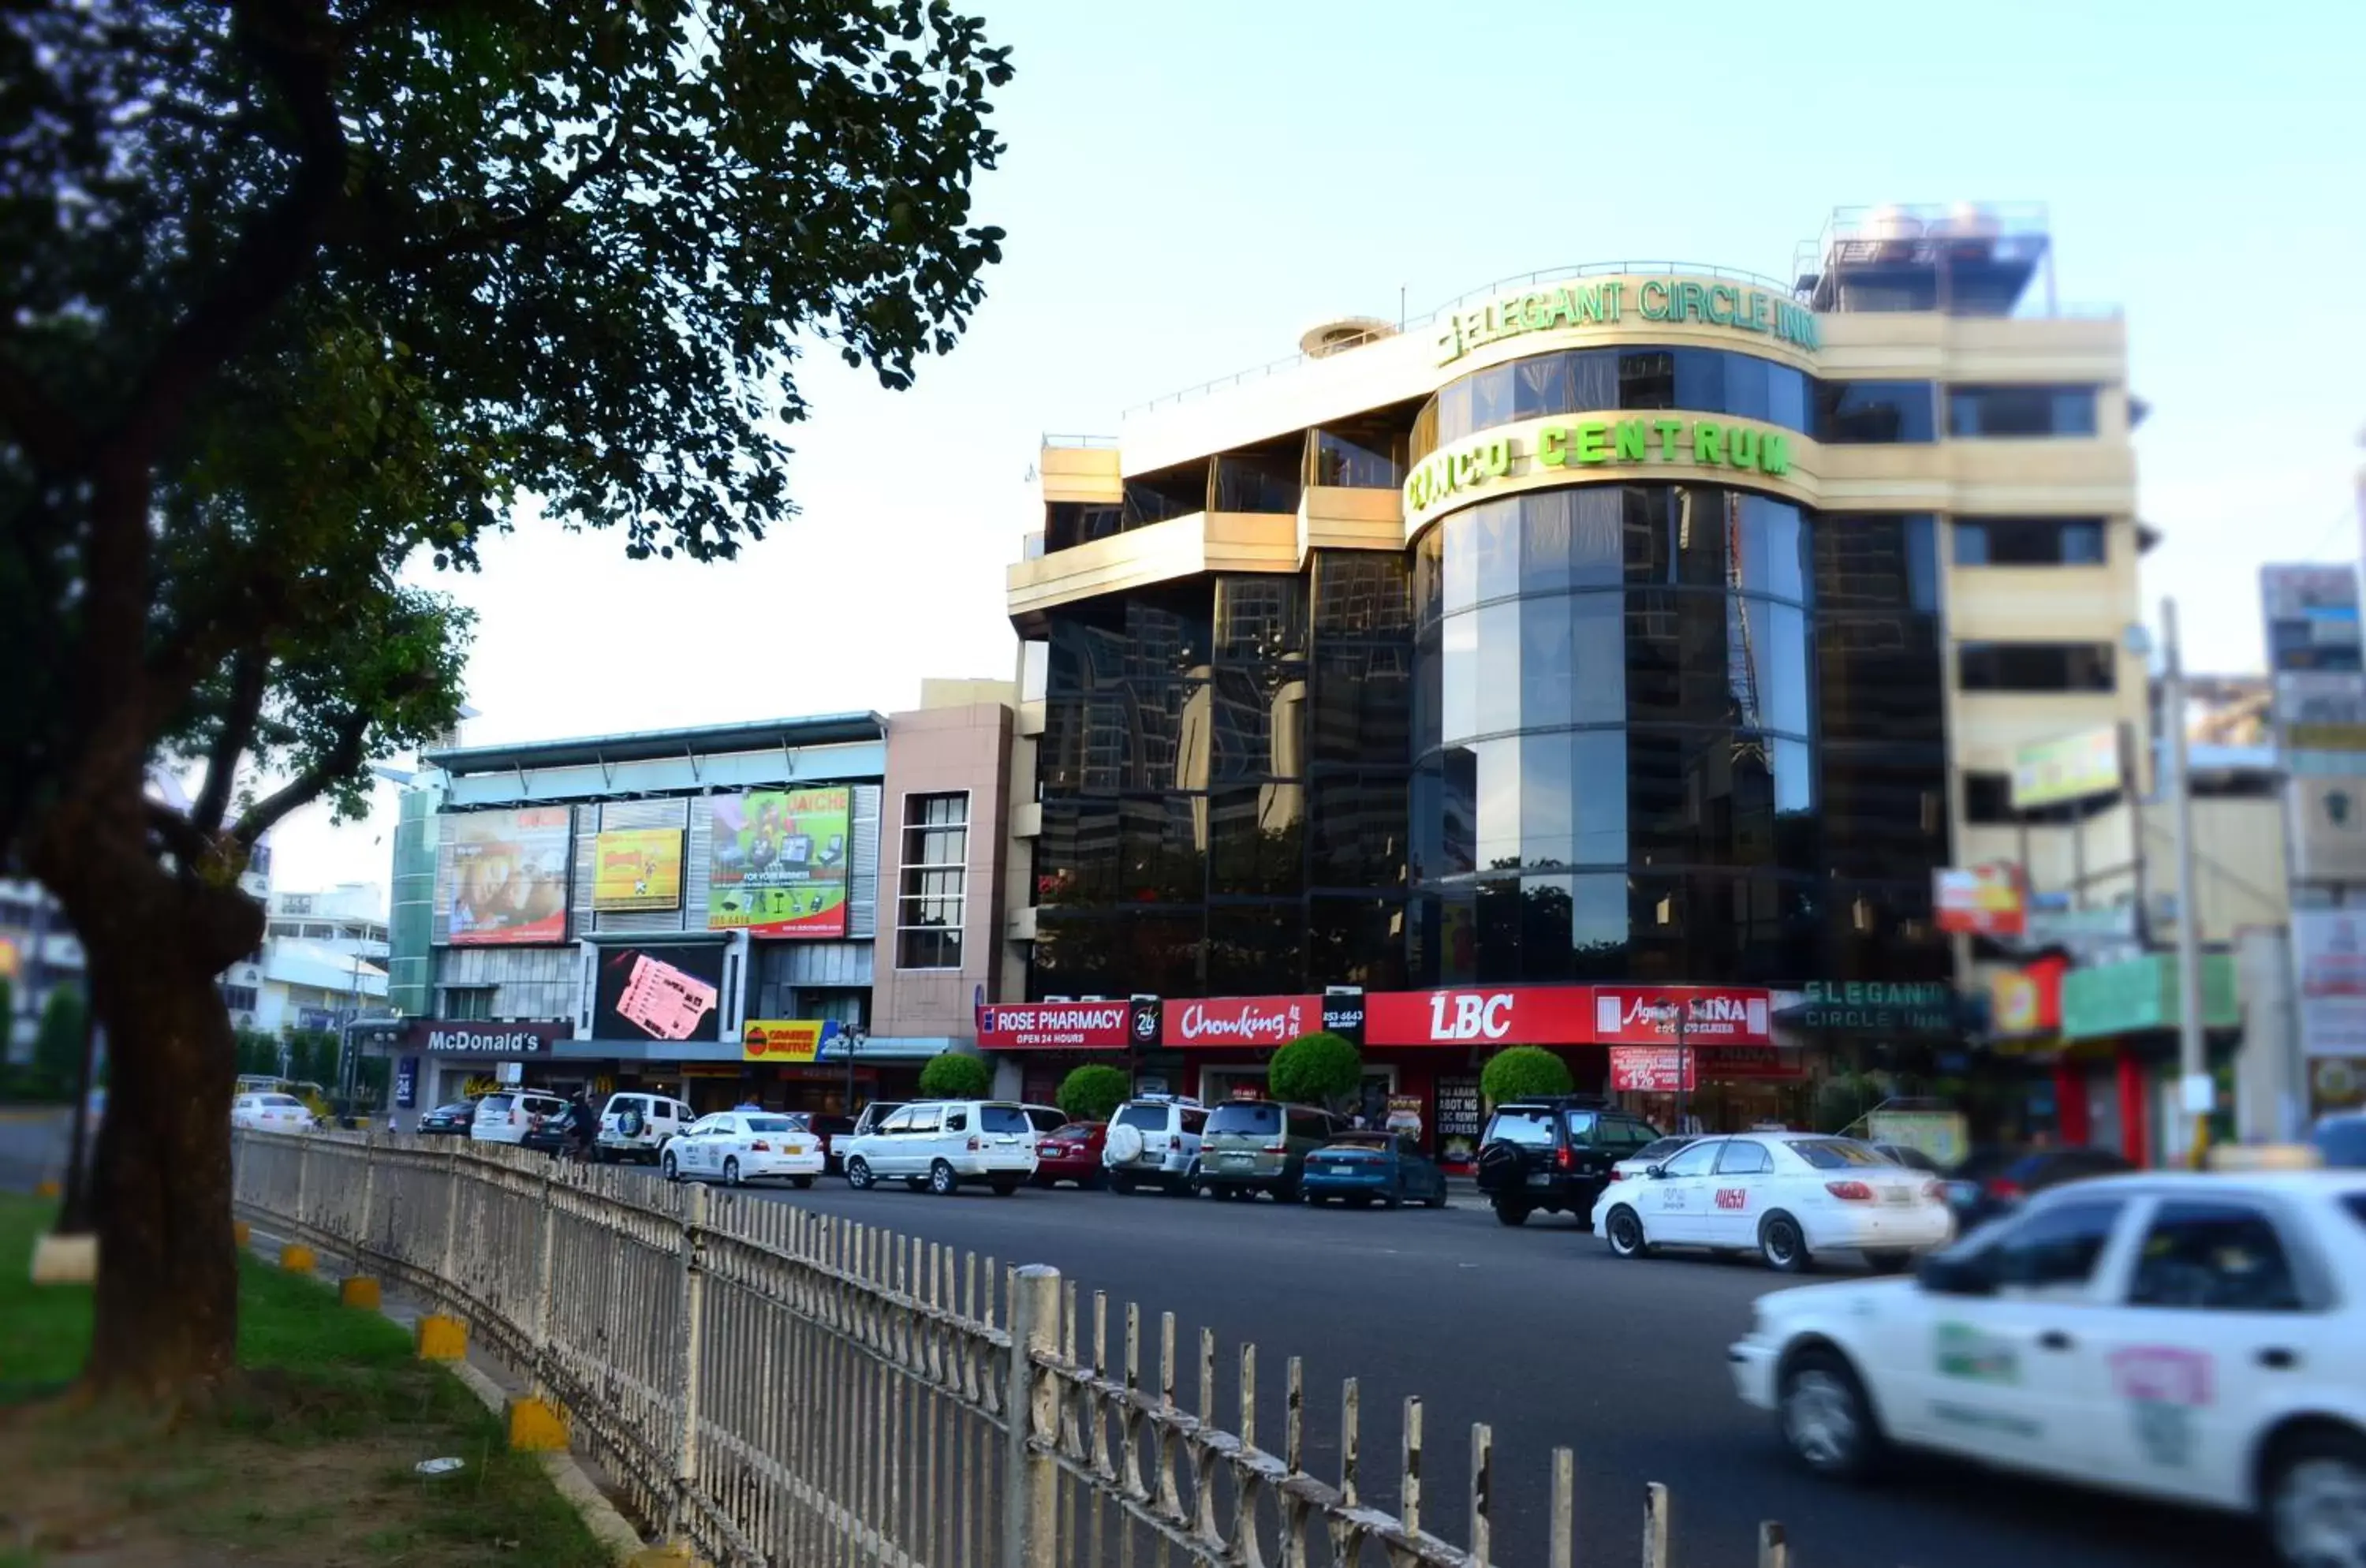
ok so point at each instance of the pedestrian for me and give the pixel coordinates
(749, 1101)
(584, 1126)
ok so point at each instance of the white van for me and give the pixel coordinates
(509, 1116)
(943, 1143)
(639, 1126)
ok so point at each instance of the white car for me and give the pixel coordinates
(733, 1147)
(941, 1144)
(639, 1126)
(1637, 1166)
(2196, 1338)
(1785, 1196)
(509, 1116)
(1154, 1142)
(270, 1114)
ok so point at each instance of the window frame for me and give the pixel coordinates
(1712, 1150)
(916, 937)
(1994, 680)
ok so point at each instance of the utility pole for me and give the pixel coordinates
(2197, 1091)
(1684, 1068)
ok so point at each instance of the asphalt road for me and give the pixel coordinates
(1539, 1332)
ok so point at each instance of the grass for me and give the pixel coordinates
(311, 1462)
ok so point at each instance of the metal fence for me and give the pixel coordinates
(773, 1385)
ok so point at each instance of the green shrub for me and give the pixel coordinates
(1316, 1069)
(1524, 1072)
(1093, 1093)
(954, 1076)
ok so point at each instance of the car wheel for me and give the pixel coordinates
(1624, 1231)
(731, 1172)
(1044, 1179)
(2314, 1499)
(1826, 1419)
(802, 1183)
(942, 1180)
(916, 1184)
(1122, 1185)
(1782, 1245)
(1318, 1200)
(1511, 1214)
(1890, 1260)
(1360, 1200)
(672, 1171)
(1438, 1199)
(858, 1174)
(1004, 1188)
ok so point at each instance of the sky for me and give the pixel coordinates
(1187, 189)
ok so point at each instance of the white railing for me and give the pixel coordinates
(768, 1385)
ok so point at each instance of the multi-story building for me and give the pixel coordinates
(1615, 629)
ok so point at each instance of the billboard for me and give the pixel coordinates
(1709, 1015)
(777, 862)
(788, 1039)
(667, 992)
(2322, 710)
(2328, 828)
(2071, 768)
(1047, 1026)
(503, 875)
(1243, 1020)
(2329, 946)
(1983, 901)
(636, 868)
(2312, 616)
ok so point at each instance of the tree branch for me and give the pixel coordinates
(247, 688)
(344, 756)
(192, 846)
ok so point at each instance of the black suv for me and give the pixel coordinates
(1555, 1155)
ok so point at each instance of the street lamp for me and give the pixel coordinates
(854, 1036)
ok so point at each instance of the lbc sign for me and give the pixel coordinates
(1525, 1015)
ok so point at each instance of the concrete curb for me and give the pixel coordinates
(608, 1526)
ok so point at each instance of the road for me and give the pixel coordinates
(1540, 1332)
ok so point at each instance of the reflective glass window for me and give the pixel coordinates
(1766, 649)
(1774, 554)
(1977, 412)
(1497, 923)
(1885, 809)
(2028, 541)
(1491, 398)
(1541, 385)
(1644, 512)
(1876, 561)
(1499, 668)
(1358, 705)
(1429, 576)
(1362, 454)
(1496, 528)
(1880, 679)
(1261, 616)
(1356, 941)
(1357, 825)
(1459, 569)
(1703, 377)
(1427, 679)
(1647, 378)
(1255, 949)
(1457, 667)
(1497, 780)
(1548, 672)
(1875, 413)
(1265, 479)
(1458, 811)
(1256, 839)
(1255, 721)
(2036, 666)
(1597, 641)
(1597, 768)
(1547, 520)
(1361, 594)
(1159, 860)
(1547, 800)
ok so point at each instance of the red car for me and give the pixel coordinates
(1072, 1153)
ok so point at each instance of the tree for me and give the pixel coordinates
(956, 1076)
(59, 1045)
(1320, 1069)
(1093, 1092)
(303, 296)
(1523, 1072)
(256, 1053)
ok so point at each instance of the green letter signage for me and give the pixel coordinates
(1732, 306)
(1591, 443)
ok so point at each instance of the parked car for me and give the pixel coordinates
(1072, 1153)
(733, 1147)
(944, 1145)
(827, 1131)
(1045, 1118)
(2339, 1140)
(1362, 1169)
(1908, 1155)
(1154, 1142)
(876, 1113)
(270, 1114)
(1555, 1155)
(637, 1126)
(2197, 1339)
(1248, 1147)
(508, 1116)
(1993, 1182)
(1656, 1152)
(1785, 1196)
(445, 1121)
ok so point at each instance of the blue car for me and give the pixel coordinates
(1359, 1169)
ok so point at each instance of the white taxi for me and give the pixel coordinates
(1785, 1196)
(733, 1147)
(270, 1114)
(2197, 1339)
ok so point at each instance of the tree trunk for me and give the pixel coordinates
(166, 1327)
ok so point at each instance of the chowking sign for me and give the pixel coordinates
(1243, 1020)
(1736, 306)
(1054, 1026)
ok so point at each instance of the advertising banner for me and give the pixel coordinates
(1264, 1021)
(1653, 1069)
(636, 868)
(1054, 1026)
(2328, 824)
(1986, 900)
(667, 992)
(1143, 1015)
(1710, 1015)
(406, 1084)
(2071, 768)
(1942, 1134)
(777, 862)
(1503, 1015)
(2322, 710)
(1875, 1006)
(504, 876)
(2023, 1002)
(434, 1037)
(2312, 617)
(1343, 1012)
(1462, 1117)
(789, 1041)
(2329, 946)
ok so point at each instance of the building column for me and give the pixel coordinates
(2135, 1108)
(2072, 1127)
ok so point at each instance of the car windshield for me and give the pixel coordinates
(2342, 1143)
(1150, 1118)
(2356, 1204)
(1386, 1141)
(1581, 1125)
(1045, 1119)
(1659, 1149)
(1529, 1124)
(770, 1124)
(494, 1103)
(1003, 1119)
(1833, 1153)
(1245, 1118)
(283, 1101)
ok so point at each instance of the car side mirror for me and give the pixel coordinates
(1949, 1274)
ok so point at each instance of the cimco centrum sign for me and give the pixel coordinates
(1611, 301)
(1596, 442)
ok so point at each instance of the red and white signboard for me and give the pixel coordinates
(1263, 1021)
(1053, 1026)
(1711, 1015)
(1652, 1069)
(1500, 1015)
